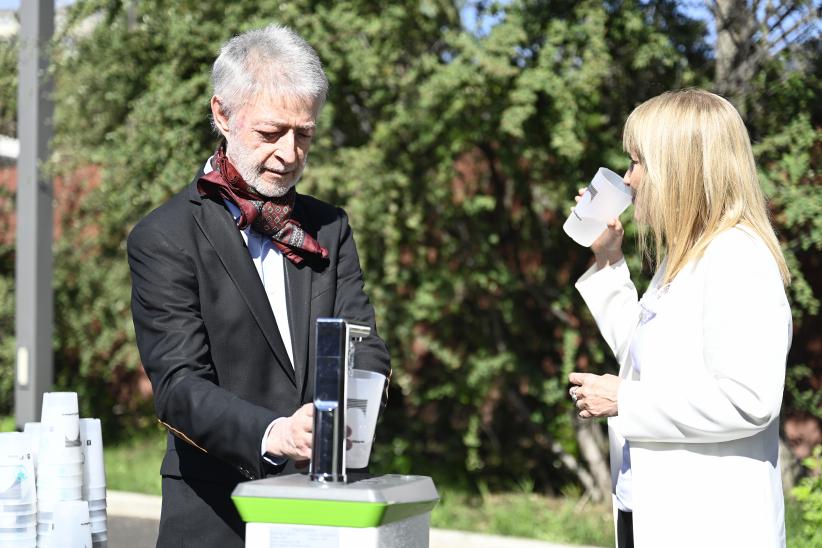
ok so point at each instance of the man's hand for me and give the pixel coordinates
(594, 395)
(291, 437)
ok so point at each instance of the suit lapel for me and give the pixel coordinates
(222, 234)
(298, 297)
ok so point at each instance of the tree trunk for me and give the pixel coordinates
(737, 55)
(594, 450)
(789, 465)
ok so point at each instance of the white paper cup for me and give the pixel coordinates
(14, 448)
(32, 432)
(25, 538)
(48, 496)
(16, 470)
(94, 470)
(71, 524)
(45, 507)
(60, 470)
(7, 535)
(18, 507)
(60, 429)
(605, 198)
(46, 541)
(58, 403)
(96, 504)
(365, 390)
(99, 521)
(99, 540)
(12, 521)
(59, 482)
(28, 542)
(20, 530)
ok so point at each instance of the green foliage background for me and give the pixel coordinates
(456, 154)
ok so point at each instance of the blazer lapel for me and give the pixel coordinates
(298, 297)
(222, 234)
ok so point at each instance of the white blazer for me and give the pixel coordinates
(702, 418)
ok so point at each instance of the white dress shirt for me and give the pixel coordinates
(269, 262)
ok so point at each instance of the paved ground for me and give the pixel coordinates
(124, 532)
(133, 520)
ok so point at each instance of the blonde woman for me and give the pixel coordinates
(694, 412)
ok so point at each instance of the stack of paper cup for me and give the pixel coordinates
(94, 479)
(60, 458)
(18, 506)
(71, 527)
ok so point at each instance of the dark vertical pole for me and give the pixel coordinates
(34, 372)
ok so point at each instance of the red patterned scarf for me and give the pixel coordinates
(268, 216)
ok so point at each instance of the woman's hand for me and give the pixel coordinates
(594, 395)
(607, 247)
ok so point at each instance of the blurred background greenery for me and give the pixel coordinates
(454, 135)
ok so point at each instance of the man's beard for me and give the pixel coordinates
(252, 173)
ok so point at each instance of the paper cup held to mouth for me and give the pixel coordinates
(606, 197)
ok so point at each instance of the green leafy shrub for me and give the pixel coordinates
(809, 496)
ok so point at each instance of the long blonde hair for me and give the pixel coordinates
(699, 177)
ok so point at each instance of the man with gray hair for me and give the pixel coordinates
(228, 279)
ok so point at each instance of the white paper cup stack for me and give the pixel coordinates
(18, 506)
(71, 527)
(94, 479)
(60, 457)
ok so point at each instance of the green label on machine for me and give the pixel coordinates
(332, 513)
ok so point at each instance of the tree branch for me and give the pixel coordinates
(571, 464)
(806, 20)
(788, 10)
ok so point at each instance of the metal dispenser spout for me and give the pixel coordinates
(335, 341)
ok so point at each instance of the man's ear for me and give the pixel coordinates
(220, 115)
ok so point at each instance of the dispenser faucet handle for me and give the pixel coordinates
(357, 330)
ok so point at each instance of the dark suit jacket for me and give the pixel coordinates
(209, 342)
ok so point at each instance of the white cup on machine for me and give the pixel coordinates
(606, 197)
(365, 390)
